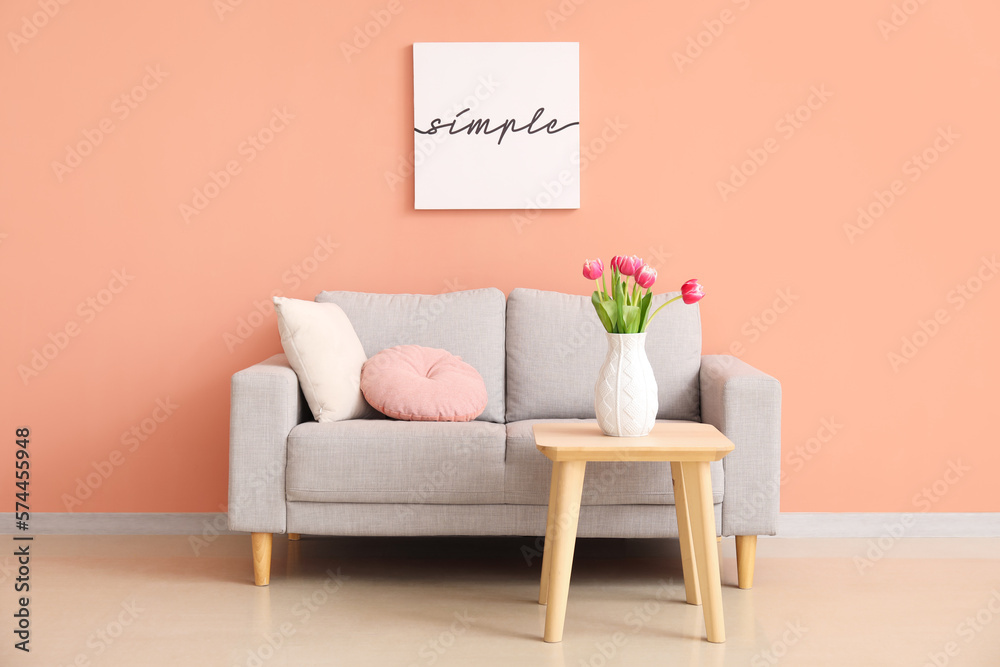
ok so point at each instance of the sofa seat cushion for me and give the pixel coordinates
(529, 472)
(384, 461)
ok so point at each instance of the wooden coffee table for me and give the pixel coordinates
(689, 447)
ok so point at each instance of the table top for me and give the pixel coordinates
(668, 441)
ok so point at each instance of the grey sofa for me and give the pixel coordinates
(539, 354)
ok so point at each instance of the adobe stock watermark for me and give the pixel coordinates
(262, 477)
(131, 441)
(796, 459)
(248, 150)
(8, 568)
(32, 23)
(549, 190)
(104, 637)
(757, 325)
(970, 628)
(956, 299)
(302, 611)
(87, 310)
(913, 168)
(602, 476)
(432, 309)
(121, 108)
(806, 451)
(582, 335)
(212, 529)
(786, 126)
(432, 649)
(657, 257)
(577, 339)
(640, 616)
(898, 17)
(703, 39)
(223, 7)
(432, 483)
(292, 278)
(924, 501)
(754, 328)
(562, 12)
(425, 145)
(363, 35)
(793, 633)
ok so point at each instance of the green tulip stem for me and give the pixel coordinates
(661, 308)
(604, 288)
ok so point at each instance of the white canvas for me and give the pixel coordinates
(493, 156)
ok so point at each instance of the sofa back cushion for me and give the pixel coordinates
(556, 345)
(468, 324)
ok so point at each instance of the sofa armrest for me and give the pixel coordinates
(266, 405)
(745, 404)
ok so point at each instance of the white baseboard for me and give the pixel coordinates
(790, 524)
(877, 524)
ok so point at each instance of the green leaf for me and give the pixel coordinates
(620, 303)
(646, 300)
(605, 310)
(610, 312)
(631, 317)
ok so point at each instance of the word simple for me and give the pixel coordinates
(482, 125)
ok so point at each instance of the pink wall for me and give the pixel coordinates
(197, 83)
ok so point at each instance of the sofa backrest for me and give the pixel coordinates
(556, 345)
(469, 324)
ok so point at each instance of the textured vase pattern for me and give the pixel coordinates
(625, 396)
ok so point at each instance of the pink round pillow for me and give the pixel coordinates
(423, 384)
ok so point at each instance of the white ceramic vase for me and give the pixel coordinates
(625, 396)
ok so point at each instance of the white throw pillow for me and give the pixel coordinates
(326, 353)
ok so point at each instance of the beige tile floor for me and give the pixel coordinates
(171, 600)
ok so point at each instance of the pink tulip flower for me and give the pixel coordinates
(629, 266)
(593, 269)
(616, 263)
(692, 291)
(646, 276)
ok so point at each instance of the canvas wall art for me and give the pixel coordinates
(496, 125)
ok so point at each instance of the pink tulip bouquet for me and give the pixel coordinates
(626, 308)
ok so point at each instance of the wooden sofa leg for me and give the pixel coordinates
(746, 553)
(294, 537)
(261, 558)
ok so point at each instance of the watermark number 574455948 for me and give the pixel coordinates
(22, 543)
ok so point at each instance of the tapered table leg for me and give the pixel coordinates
(568, 482)
(698, 487)
(543, 589)
(692, 591)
